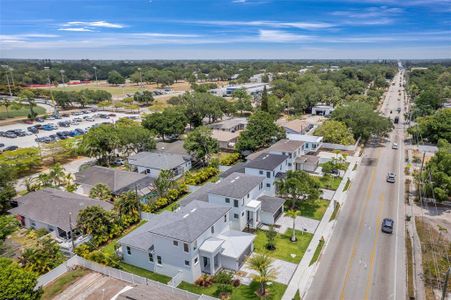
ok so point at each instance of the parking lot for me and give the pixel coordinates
(86, 121)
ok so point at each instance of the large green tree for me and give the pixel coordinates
(433, 127)
(200, 144)
(145, 97)
(7, 190)
(169, 123)
(242, 100)
(128, 208)
(97, 222)
(16, 282)
(101, 143)
(298, 186)
(261, 132)
(114, 77)
(335, 132)
(362, 120)
(101, 191)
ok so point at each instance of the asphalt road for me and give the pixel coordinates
(29, 141)
(360, 261)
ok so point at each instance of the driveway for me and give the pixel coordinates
(284, 272)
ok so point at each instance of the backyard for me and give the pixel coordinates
(61, 283)
(313, 209)
(285, 249)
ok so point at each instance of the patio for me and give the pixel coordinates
(301, 223)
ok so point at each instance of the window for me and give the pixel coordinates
(186, 262)
(248, 195)
(290, 155)
(150, 257)
(159, 260)
(242, 214)
(283, 153)
(196, 260)
(175, 243)
(195, 245)
(289, 164)
(129, 251)
(185, 247)
(260, 172)
(227, 200)
(147, 171)
(268, 174)
(236, 216)
(212, 229)
(268, 185)
(235, 203)
(225, 218)
(261, 185)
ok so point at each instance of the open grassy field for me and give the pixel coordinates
(22, 112)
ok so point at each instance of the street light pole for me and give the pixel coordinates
(95, 74)
(140, 77)
(12, 76)
(55, 109)
(7, 79)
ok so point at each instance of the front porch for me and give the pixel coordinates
(253, 209)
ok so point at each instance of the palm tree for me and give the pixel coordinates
(28, 96)
(262, 264)
(163, 183)
(128, 208)
(100, 191)
(292, 214)
(5, 102)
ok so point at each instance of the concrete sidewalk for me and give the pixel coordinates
(303, 276)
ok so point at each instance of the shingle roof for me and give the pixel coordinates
(266, 161)
(286, 145)
(310, 159)
(157, 160)
(236, 185)
(186, 224)
(224, 136)
(117, 180)
(304, 138)
(237, 168)
(270, 204)
(201, 194)
(229, 124)
(174, 148)
(152, 291)
(52, 206)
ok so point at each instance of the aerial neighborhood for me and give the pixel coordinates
(198, 180)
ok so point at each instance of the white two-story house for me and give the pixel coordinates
(292, 149)
(198, 238)
(270, 166)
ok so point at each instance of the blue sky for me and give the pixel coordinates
(225, 29)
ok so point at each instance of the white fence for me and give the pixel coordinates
(74, 261)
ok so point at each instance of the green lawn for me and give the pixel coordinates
(329, 182)
(22, 112)
(284, 247)
(144, 273)
(348, 183)
(62, 282)
(317, 252)
(276, 291)
(334, 214)
(314, 209)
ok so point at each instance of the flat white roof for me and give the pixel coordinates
(235, 242)
(304, 138)
(253, 204)
(211, 245)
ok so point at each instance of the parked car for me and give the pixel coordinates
(88, 118)
(61, 135)
(10, 148)
(2, 145)
(28, 121)
(32, 129)
(80, 131)
(78, 120)
(112, 115)
(48, 127)
(93, 109)
(39, 120)
(391, 177)
(394, 146)
(103, 116)
(65, 115)
(387, 225)
(50, 118)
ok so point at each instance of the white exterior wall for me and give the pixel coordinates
(154, 173)
(173, 257)
(39, 225)
(267, 218)
(229, 263)
(268, 183)
(290, 160)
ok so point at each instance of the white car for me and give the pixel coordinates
(391, 177)
(394, 146)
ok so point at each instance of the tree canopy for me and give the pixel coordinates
(298, 186)
(200, 144)
(362, 120)
(335, 132)
(169, 123)
(260, 132)
(114, 77)
(433, 127)
(16, 282)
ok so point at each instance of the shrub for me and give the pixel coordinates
(200, 176)
(229, 159)
(104, 259)
(236, 282)
(223, 277)
(204, 281)
(83, 250)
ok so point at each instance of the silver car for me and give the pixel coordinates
(391, 177)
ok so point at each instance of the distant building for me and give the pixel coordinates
(231, 125)
(226, 139)
(172, 148)
(311, 143)
(297, 126)
(322, 110)
(250, 88)
(307, 163)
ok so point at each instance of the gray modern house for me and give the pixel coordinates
(196, 239)
(152, 163)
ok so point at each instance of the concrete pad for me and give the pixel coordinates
(285, 271)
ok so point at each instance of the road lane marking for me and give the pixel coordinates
(361, 223)
(373, 250)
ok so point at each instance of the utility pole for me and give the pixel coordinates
(445, 284)
(55, 110)
(7, 79)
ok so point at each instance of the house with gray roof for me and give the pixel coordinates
(269, 166)
(197, 238)
(54, 210)
(117, 180)
(230, 125)
(291, 148)
(152, 163)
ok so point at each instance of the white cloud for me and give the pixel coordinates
(273, 24)
(381, 15)
(75, 29)
(281, 36)
(100, 24)
(157, 34)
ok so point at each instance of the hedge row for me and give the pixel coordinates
(201, 176)
(229, 159)
(172, 196)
